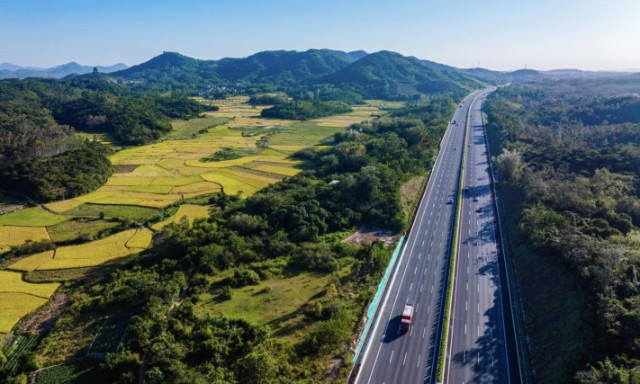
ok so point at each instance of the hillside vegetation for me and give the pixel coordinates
(574, 153)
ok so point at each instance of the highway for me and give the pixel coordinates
(477, 348)
(390, 357)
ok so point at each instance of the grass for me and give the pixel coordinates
(12, 236)
(190, 211)
(411, 192)
(74, 229)
(277, 302)
(89, 254)
(31, 217)
(140, 214)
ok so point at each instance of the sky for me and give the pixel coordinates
(494, 34)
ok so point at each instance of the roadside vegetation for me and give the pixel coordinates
(570, 168)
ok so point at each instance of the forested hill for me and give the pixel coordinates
(389, 75)
(378, 75)
(268, 67)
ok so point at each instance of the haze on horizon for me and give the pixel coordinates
(494, 34)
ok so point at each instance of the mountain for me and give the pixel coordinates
(285, 66)
(390, 75)
(525, 75)
(382, 74)
(8, 71)
(273, 67)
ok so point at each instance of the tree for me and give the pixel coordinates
(508, 164)
(258, 367)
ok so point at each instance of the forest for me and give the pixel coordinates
(42, 158)
(572, 151)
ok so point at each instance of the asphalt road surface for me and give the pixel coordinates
(477, 348)
(392, 357)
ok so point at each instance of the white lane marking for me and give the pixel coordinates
(405, 358)
(425, 272)
(421, 286)
(467, 285)
(478, 307)
(423, 243)
(466, 304)
(411, 287)
(415, 270)
(465, 328)
(432, 289)
(391, 358)
(478, 330)
(420, 355)
(424, 332)
(419, 256)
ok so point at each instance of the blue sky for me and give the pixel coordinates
(498, 34)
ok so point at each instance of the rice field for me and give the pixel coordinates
(31, 217)
(190, 211)
(162, 173)
(89, 254)
(19, 298)
(15, 235)
(16, 305)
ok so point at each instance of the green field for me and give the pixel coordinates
(277, 302)
(74, 229)
(127, 212)
(31, 217)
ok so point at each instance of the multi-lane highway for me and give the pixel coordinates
(390, 357)
(477, 348)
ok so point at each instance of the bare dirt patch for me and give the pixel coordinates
(46, 317)
(368, 236)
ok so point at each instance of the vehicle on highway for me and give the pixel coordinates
(405, 320)
(479, 209)
(475, 198)
(450, 201)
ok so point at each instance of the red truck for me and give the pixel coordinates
(407, 316)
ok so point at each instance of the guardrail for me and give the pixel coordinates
(363, 343)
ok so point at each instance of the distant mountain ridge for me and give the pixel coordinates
(382, 74)
(11, 71)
